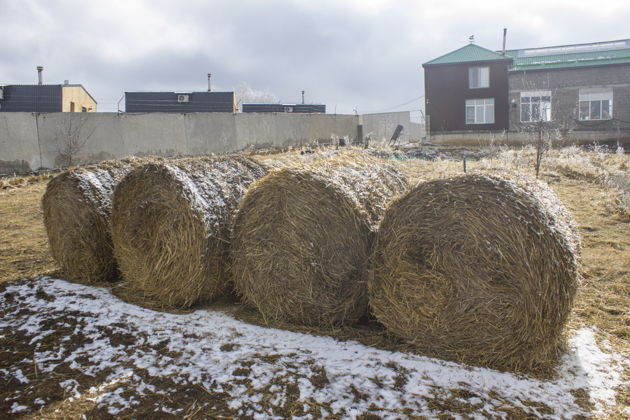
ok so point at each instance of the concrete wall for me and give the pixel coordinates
(509, 138)
(18, 140)
(380, 127)
(40, 140)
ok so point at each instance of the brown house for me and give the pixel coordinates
(466, 90)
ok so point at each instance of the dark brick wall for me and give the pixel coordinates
(565, 85)
(296, 108)
(446, 91)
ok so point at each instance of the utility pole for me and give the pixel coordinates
(303, 97)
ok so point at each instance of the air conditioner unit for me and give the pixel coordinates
(183, 98)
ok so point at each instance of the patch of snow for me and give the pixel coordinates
(17, 374)
(190, 353)
(70, 386)
(593, 367)
(16, 408)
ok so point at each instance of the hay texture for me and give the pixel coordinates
(77, 208)
(302, 238)
(480, 269)
(170, 227)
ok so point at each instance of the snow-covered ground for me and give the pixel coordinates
(125, 359)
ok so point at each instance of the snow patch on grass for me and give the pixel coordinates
(246, 361)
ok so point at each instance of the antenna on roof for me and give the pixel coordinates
(471, 39)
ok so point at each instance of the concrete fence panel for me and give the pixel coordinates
(29, 141)
(19, 150)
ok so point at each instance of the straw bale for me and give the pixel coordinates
(77, 208)
(302, 238)
(170, 227)
(480, 269)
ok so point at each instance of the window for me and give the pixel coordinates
(478, 77)
(536, 106)
(71, 106)
(596, 104)
(480, 111)
(83, 109)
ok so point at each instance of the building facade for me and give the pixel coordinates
(582, 87)
(180, 102)
(295, 108)
(46, 98)
(467, 90)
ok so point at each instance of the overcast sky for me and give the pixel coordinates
(359, 54)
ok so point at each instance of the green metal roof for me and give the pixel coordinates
(570, 56)
(470, 52)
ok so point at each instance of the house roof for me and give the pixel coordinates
(570, 56)
(468, 53)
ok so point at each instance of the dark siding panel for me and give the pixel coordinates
(446, 91)
(263, 108)
(31, 98)
(296, 108)
(167, 102)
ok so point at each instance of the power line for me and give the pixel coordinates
(398, 106)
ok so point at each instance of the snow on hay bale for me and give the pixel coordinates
(481, 269)
(77, 208)
(302, 238)
(170, 227)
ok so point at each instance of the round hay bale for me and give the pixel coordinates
(170, 227)
(302, 238)
(77, 208)
(480, 269)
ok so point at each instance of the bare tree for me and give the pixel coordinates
(71, 138)
(544, 124)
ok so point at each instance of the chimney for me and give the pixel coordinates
(209, 86)
(504, 37)
(40, 69)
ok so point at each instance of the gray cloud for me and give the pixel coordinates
(364, 54)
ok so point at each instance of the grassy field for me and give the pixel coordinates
(594, 185)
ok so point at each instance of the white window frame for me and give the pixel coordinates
(536, 104)
(478, 77)
(592, 104)
(481, 110)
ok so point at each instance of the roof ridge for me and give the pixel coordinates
(489, 55)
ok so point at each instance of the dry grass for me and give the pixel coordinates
(302, 239)
(603, 300)
(170, 227)
(600, 209)
(23, 243)
(77, 209)
(478, 269)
